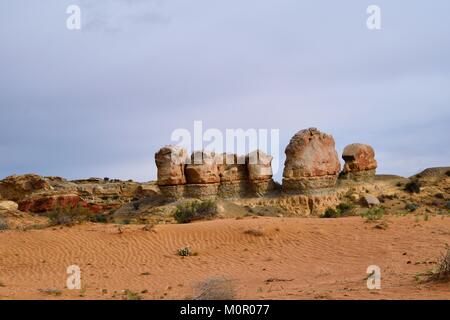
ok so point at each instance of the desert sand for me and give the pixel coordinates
(289, 258)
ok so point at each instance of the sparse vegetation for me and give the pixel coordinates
(3, 224)
(331, 213)
(51, 292)
(442, 271)
(216, 289)
(411, 207)
(186, 252)
(342, 210)
(373, 214)
(413, 187)
(98, 218)
(254, 232)
(195, 210)
(382, 225)
(68, 216)
(447, 173)
(131, 295)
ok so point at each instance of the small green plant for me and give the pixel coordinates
(373, 214)
(411, 207)
(130, 295)
(195, 210)
(413, 187)
(331, 213)
(426, 217)
(185, 252)
(342, 209)
(99, 218)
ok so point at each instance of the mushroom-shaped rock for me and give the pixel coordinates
(359, 157)
(203, 168)
(233, 168)
(312, 162)
(259, 165)
(170, 161)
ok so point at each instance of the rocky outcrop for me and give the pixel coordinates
(233, 174)
(170, 161)
(8, 206)
(202, 175)
(360, 163)
(259, 167)
(15, 188)
(44, 203)
(203, 168)
(312, 164)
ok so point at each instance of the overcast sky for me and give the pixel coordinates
(101, 101)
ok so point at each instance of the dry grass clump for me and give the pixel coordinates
(51, 292)
(254, 232)
(442, 271)
(195, 210)
(72, 216)
(216, 289)
(186, 252)
(373, 214)
(342, 210)
(131, 295)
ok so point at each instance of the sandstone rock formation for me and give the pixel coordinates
(8, 206)
(259, 167)
(233, 174)
(16, 188)
(360, 163)
(312, 164)
(202, 175)
(170, 162)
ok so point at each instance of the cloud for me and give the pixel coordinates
(103, 100)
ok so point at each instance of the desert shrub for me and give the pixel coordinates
(341, 210)
(51, 292)
(442, 271)
(413, 187)
(254, 232)
(195, 210)
(331, 213)
(447, 205)
(3, 224)
(68, 216)
(185, 252)
(216, 289)
(411, 207)
(373, 214)
(136, 206)
(448, 173)
(99, 218)
(131, 295)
